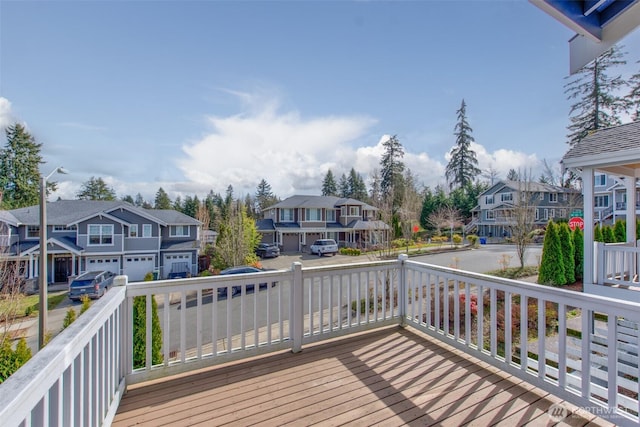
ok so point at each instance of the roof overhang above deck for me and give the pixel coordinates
(599, 23)
(623, 163)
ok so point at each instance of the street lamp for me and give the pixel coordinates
(42, 317)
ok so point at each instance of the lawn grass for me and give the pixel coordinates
(515, 272)
(28, 305)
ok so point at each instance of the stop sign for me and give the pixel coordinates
(576, 222)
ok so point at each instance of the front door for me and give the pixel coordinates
(61, 269)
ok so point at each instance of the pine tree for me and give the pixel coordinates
(128, 199)
(20, 160)
(96, 189)
(391, 166)
(462, 169)
(513, 175)
(329, 186)
(578, 248)
(620, 231)
(264, 195)
(357, 188)
(598, 103)
(568, 252)
(597, 234)
(162, 200)
(343, 187)
(551, 265)
(431, 202)
(607, 234)
(140, 334)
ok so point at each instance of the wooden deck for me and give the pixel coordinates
(388, 377)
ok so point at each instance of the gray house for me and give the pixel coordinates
(297, 221)
(85, 235)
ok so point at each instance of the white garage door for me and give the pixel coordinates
(136, 267)
(104, 264)
(170, 259)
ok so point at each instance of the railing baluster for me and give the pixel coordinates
(493, 321)
(562, 346)
(612, 360)
(542, 353)
(198, 323)
(524, 332)
(508, 327)
(183, 328)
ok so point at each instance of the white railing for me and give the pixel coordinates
(77, 378)
(589, 344)
(617, 264)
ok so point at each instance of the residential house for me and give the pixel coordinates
(297, 221)
(493, 217)
(86, 235)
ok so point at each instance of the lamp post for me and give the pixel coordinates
(42, 279)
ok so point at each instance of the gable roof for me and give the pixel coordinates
(320, 202)
(617, 145)
(532, 186)
(65, 212)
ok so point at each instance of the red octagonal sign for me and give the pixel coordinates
(576, 222)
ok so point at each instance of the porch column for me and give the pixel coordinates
(587, 191)
(630, 186)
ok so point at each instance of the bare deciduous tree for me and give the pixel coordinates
(521, 217)
(445, 217)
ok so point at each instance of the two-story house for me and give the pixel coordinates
(495, 211)
(297, 221)
(86, 235)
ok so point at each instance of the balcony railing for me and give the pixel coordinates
(580, 347)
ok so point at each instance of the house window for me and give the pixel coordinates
(600, 180)
(552, 213)
(537, 214)
(546, 214)
(133, 230)
(553, 197)
(354, 210)
(313, 214)
(33, 231)
(146, 230)
(601, 201)
(491, 215)
(64, 228)
(286, 215)
(179, 231)
(488, 199)
(331, 215)
(506, 197)
(101, 234)
(541, 195)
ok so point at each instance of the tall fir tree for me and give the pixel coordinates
(597, 94)
(578, 251)
(568, 252)
(264, 196)
(391, 166)
(597, 234)
(620, 231)
(162, 200)
(96, 189)
(343, 187)
(462, 169)
(329, 186)
(357, 187)
(20, 160)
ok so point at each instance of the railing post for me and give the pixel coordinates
(599, 274)
(126, 333)
(297, 301)
(402, 289)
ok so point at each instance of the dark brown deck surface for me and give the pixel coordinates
(389, 377)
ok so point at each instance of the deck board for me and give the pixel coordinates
(391, 376)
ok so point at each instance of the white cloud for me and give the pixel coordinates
(6, 116)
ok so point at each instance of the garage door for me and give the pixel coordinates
(111, 264)
(174, 258)
(136, 267)
(290, 242)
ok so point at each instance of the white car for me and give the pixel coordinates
(324, 246)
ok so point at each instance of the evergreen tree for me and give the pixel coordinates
(431, 202)
(578, 248)
(462, 169)
(620, 231)
(551, 265)
(597, 234)
(140, 333)
(513, 175)
(162, 200)
(357, 187)
(96, 189)
(343, 187)
(139, 201)
(598, 104)
(20, 160)
(464, 199)
(375, 193)
(607, 234)
(391, 166)
(329, 186)
(264, 196)
(237, 238)
(177, 204)
(128, 199)
(190, 206)
(568, 252)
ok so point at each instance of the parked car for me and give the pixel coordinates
(179, 270)
(94, 284)
(268, 250)
(241, 270)
(324, 246)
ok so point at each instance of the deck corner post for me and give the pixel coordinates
(402, 289)
(297, 298)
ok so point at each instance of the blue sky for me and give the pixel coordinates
(194, 96)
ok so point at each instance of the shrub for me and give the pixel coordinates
(86, 303)
(148, 277)
(597, 234)
(473, 240)
(401, 243)
(551, 265)
(69, 318)
(350, 251)
(457, 239)
(205, 273)
(578, 246)
(11, 360)
(568, 253)
(140, 332)
(607, 234)
(28, 311)
(620, 231)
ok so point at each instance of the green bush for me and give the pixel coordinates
(69, 318)
(568, 253)
(350, 251)
(620, 231)
(11, 360)
(140, 332)
(86, 303)
(597, 234)
(457, 239)
(148, 277)
(607, 234)
(578, 246)
(401, 243)
(205, 273)
(28, 311)
(473, 240)
(551, 264)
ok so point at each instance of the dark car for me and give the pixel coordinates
(179, 270)
(241, 270)
(93, 284)
(268, 250)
